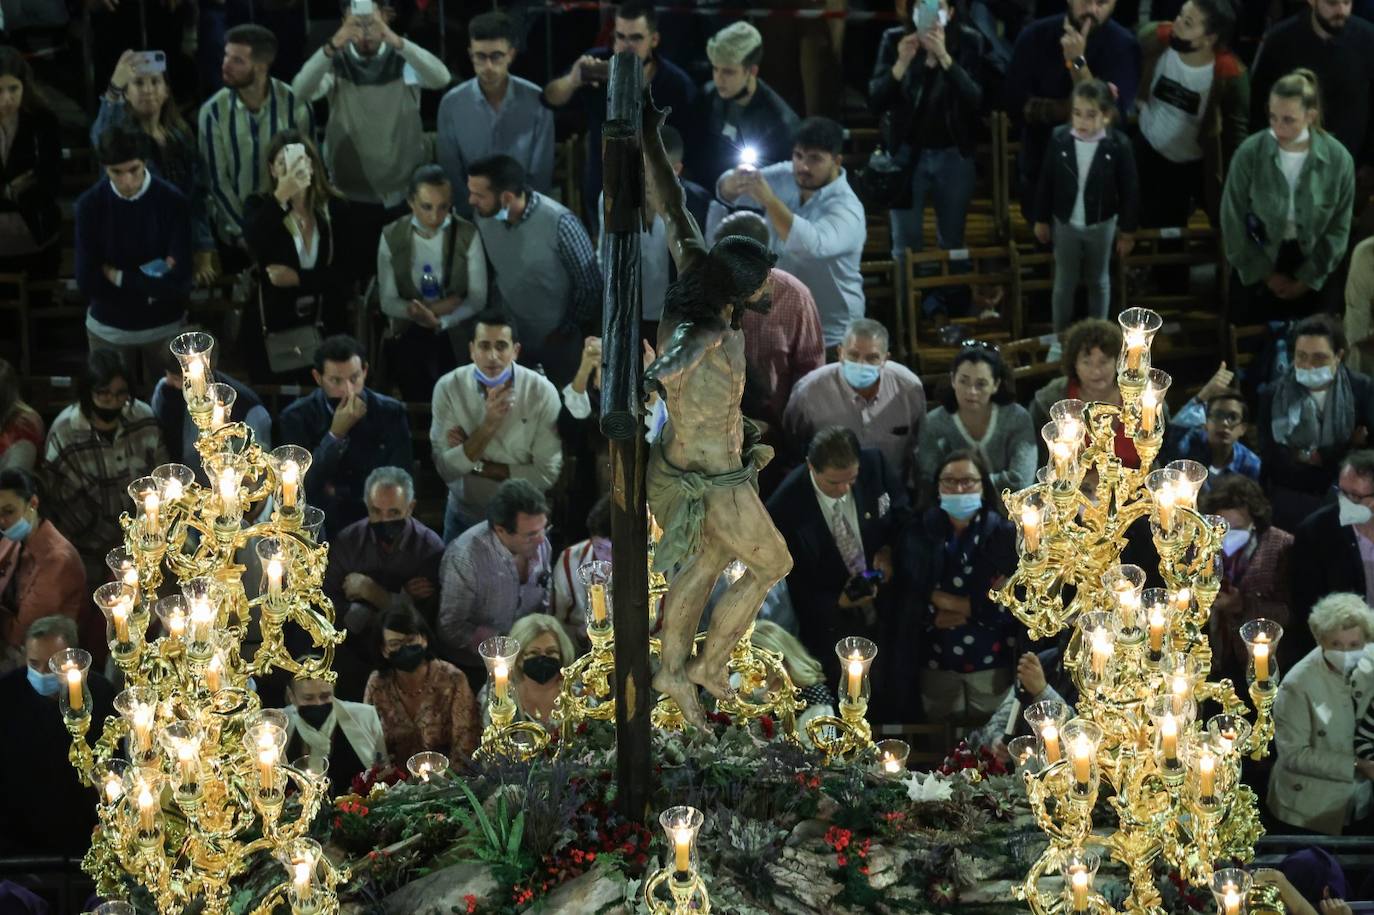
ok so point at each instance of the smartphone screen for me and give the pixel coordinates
(156, 268)
(363, 8)
(927, 15)
(150, 62)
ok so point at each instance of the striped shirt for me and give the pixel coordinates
(89, 473)
(233, 145)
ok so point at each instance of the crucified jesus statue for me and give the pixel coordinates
(702, 473)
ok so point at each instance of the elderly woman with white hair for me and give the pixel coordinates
(545, 649)
(805, 671)
(1319, 784)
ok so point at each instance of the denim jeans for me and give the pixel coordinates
(456, 520)
(946, 177)
(1082, 253)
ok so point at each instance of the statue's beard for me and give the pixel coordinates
(763, 306)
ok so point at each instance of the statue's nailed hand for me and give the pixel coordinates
(650, 385)
(653, 118)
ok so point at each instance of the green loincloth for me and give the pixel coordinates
(678, 500)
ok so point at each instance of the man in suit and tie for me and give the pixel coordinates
(840, 513)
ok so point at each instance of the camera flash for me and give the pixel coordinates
(748, 156)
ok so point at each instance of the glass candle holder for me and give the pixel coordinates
(1231, 733)
(274, 559)
(427, 765)
(1138, 329)
(681, 825)
(892, 756)
(174, 481)
(314, 765)
(1047, 719)
(1193, 476)
(1170, 732)
(226, 470)
(123, 565)
(1030, 519)
(264, 742)
(289, 463)
(1081, 740)
(146, 494)
(1261, 639)
(143, 794)
(595, 576)
(122, 632)
(1208, 771)
(312, 522)
(1164, 488)
(1024, 751)
(273, 716)
(1151, 423)
(1230, 886)
(202, 596)
(216, 670)
(303, 859)
(856, 655)
(1124, 584)
(1064, 446)
(193, 351)
(114, 907)
(72, 666)
(498, 654)
(1069, 413)
(172, 611)
(1157, 612)
(1097, 631)
(138, 706)
(111, 779)
(181, 742)
(1079, 868)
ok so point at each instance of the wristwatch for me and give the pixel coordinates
(477, 468)
(1079, 63)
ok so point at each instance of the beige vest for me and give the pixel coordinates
(453, 275)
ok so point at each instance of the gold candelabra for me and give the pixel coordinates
(1139, 657)
(201, 790)
(505, 736)
(686, 890)
(844, 738)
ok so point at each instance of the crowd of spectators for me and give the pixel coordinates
(308, 173)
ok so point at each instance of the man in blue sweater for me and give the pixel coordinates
(133, 256)
(1051, 56)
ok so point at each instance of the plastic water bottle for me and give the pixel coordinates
(430, 290)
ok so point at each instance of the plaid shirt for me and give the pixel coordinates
(88, 475)
(482, 591)
(786, 343)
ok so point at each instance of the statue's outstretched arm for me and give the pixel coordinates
(690, 343)
(685, 242)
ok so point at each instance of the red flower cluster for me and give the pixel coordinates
(767, 727)
(381, 774)
(719, 718)
(521, 895)
(471, 901)
(842, 841)
(984, 761)
(808, 781)
(353, 807)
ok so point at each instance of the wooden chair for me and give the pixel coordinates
(960, 267)
(567, 171)
(1002, 169)
(1029, 367)
(1185, 247)
(14, 297)
(56, 302)
(880, 290)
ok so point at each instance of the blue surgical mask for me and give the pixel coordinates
(503, 214)
(961, 505)
(1313, 379)
(496, 382)
(18, 530)
(860, 375)
(44, 684)
(1235, 540)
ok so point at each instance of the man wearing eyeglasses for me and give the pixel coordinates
(1209, 430)
(494, 112)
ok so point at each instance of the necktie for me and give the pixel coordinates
(850, 546)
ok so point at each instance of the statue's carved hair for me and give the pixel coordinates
(733, 270)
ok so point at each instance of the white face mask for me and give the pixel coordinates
(1344, 662)
(1315, 379)
(1235, 540)
(1353, 512)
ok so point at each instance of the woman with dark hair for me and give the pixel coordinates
(1255, 571)
(40, 571)
(424, 703)
(958, 550)
(30, 173)
(139, 98)
(21, 428)
(1089, 366)
(96, 448)
(978, 411)
(291, 231)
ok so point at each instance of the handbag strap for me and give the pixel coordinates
(262, 309)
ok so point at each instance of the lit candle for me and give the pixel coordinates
(143, 727)
(114, 788)
(267, 758)
(1149, 403)
(229, 491)
(301, 878)
(682, 849)
(195, 377)
(217, 416)
(1180, 690)
(74, 697)
(290, 480)
(1156, 630)
(1206, 768)
(147, 809)
(1080, 889)
(214, 674)
(890, 764)
(1062, 454)
(1166, 499)
(201, 618)
(1135, 346)
(186, 760)
(1228, 740)
(856, 677)
(274, 573)
(1262, 658)
(130, 579)
(1082, 759)
(1230, 900)
(597, 591)
(1101, 651)
(150, 506)
(119, 616)
(1183, 599)
(1168, 733)
(502, 676)
(176, 625)
(424, 771)
(1030, 527)
(1050, 735)
(172, 490)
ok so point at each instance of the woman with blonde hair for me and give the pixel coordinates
(293, 231)
(139, 98)
(1319, 784)
(806, 672)
(545, 649)
(1286, 209)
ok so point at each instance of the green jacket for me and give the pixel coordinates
(1323, 205)
(1226, 118)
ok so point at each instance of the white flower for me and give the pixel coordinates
(927, 787)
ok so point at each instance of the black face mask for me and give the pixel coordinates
(407, 658)
(541, 668)
(106, 414)
(315, 715)
(1181, 45)
(387, 531)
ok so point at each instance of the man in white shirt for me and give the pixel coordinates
(431, 276)
(815, 220)
(493, 421)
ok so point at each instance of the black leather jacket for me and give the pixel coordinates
(896, 103)
(1112, 189)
